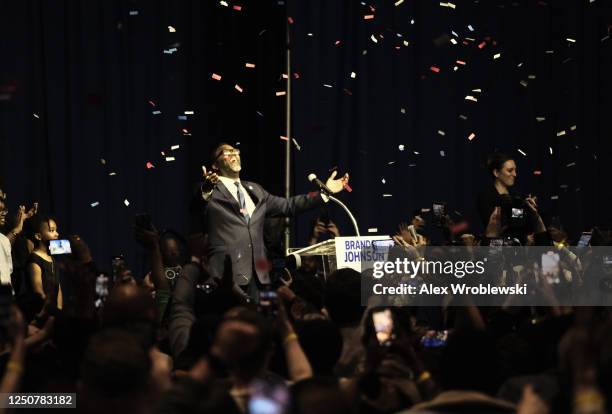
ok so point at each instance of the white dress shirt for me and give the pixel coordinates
(6, 262)
(248, 201)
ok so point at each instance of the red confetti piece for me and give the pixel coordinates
(537, 172)
(249, 65)
(434, 69)
(238, 88)
(482, 44)
(237, 8)
(284, 138)
(368, 17)
(281, 93)
(337, 42)
(461, 62)
(152, 104)
(185, 131)
(296, 75)
(150, 165)
(347, 187)
(290, 20)
(216, 77)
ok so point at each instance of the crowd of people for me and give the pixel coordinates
(203, 332)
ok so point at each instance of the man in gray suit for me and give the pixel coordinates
(234, 213)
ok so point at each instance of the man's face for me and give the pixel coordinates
(507, 173)
(3, 213)
(228, 161)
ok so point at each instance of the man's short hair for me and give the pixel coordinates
(215, 153)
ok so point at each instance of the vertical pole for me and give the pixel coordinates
(288, 131)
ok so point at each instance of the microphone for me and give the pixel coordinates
(313, 179)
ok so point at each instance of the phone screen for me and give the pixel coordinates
(585, 239)
(550, 267)
(434, 339)
(517, 213)
(59, 247)
(267, 398)
(383, 325)
(438, 209)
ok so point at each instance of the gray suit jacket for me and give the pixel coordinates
(230, 233)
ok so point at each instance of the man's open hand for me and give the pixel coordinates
(210, 178)
(337, 185)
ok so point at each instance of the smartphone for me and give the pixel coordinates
(268, 302)
(434, 339)
(268, 398)
(585, 239)
(550, 267)
(143, 221)
(59, 247)
(383, 325)
(439, 211)
(518, 213)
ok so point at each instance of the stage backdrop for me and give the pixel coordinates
(407, 96)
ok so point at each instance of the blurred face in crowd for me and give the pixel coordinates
(506, 175)
(418, 222)
(47, 231)
(228, 161)
(3, 213)
(171, 252)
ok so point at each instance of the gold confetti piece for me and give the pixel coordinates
(497, 56)
(281, 93)
(406, 43)
(168, 159)
(368, 17)
(477, 90)
(249, 65)
(403, 110)
(102, 161)
(531, 77)
(171, 29)
(224, 3)
(524, 83)
(471, 136)
(573, 127)
(238, 88)
(188, 112)
(398, 2)
(216, 77)
(175, 147)
(561, 133)
(284, 138)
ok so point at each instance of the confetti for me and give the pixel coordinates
(290, 20)
(95, 204)
(571, 164)
(453, 41)
(112, 174)
(168, 159)
(471, 98)
(555, 197)
(551, 150)
(327, 85)
(297, 146)
(391, 163)
(238, 88)
(237, 8)
(249, 65)
(368, 17)
(175, 147)
(188, 112)
(102, 161)
(224, 3)
(537, 172)
(440, 132)
(347, 187)
(182, 118)
(470, 27)
(156, 112)
(284, 138)
(461, 62)
(522, 152)
(561, 133)
(374, 229)
(524, 83)
(401, 147)
(463, 117)
(150, 165)
(126, 202)
(571, 40)
(353, 75)
(36, 115)
(133, 12)
(171, 29)
(216, 77)
(482, 44)
(497, 56)
(403, 110)
(442, 154)
(281, 93)
(387, 195)
(374, 39)
(540, 118)
(384, 181)
(471, 136)
(573, 127)
(398, 2)
(416, 153)
(434, 69)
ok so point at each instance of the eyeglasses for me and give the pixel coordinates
(229, 153)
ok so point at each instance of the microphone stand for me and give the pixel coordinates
(345, 208)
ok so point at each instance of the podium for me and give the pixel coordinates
(326, 249)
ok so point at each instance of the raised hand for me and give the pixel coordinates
(210, 179)
(336, 185)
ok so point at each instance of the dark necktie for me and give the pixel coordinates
(241, 201)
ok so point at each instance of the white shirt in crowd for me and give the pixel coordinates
(6, 262)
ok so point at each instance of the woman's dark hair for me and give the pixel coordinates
(35, 225)
(496, 161)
